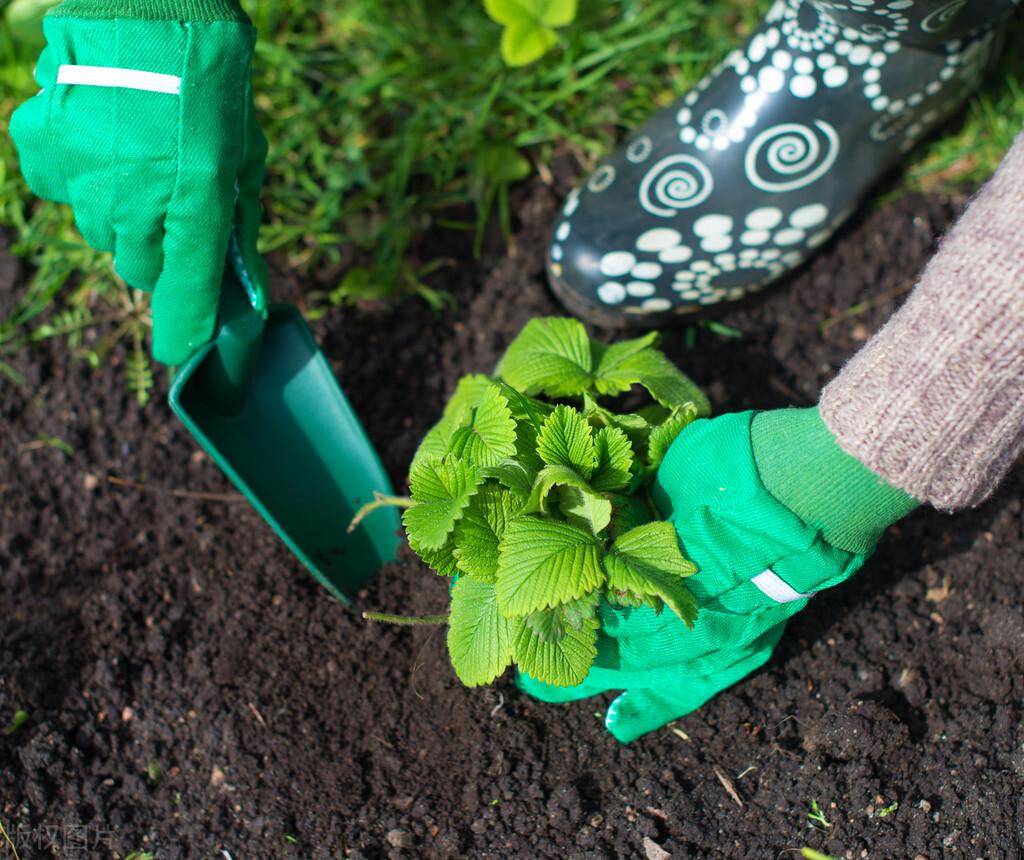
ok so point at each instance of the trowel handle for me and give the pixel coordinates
(229, 366)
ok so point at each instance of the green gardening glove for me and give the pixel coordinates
(145, 126)
(770, 515)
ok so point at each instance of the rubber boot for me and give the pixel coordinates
(756, 167)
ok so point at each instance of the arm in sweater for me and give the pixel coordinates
(934, 402)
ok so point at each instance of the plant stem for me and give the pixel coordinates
(9, 841)
(379, 501)
(406, 620)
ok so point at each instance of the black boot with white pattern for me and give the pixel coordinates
(755, 168)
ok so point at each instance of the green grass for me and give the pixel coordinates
(971, 150)
(386, 117)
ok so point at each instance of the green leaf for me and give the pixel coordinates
(567, 439)
(666, 383)
(481, 640)
(579, 612)
(19, 719)
(526, 408)
(467, 394)
(528, 34)
(611, 374)
(558, 13)
(634, 601)
(522, 44)
(647, 561)
(459, 408)
(490, 435)
(584, 509)
(506, 12)
(549, 478)
(512, 474)
(635, 362)
(529, 415)
(593, 411)
(563, 663)
(543, 563)
(551, 13)
(441, 561)
(614, 459)
(665, 434)
(548, 624)
(479, 532)
(550, 356)
(628, 512)
(636, 427)
(576, 499)
(501, 164)
(441, 490)
(526, 446)
(654, 414)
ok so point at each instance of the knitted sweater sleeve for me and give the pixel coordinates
(934, 402)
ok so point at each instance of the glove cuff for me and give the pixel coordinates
(154, 10)
(801, 464)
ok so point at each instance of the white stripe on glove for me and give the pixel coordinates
(130, 79)
(774, 587)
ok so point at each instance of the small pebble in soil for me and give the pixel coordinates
(400, 839)
(653, 851)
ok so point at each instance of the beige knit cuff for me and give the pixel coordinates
(934, 402)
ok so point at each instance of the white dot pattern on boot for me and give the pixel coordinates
(611, 293)
(617, 263)
(659, 239)
(799, 37)
(656, 305)
(789, 236)
(712, 225)
(754, 237)
(714, 232)
(768, 246)
(646, 271)
(639, 150)
(800, 52)
(640, 289)
(835, 77)
(602, 179)
(809, 216)
(572, 203)
(803, 86)
(679, 254)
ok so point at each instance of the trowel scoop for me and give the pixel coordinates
(262, 401)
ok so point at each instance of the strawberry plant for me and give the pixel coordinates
(533, 494)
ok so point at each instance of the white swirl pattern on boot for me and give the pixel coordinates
(787, 54)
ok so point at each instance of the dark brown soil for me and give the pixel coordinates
(193, 693)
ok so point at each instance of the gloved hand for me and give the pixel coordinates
(145, 126)
(762, 553)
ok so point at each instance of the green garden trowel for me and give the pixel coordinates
(262, 400)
